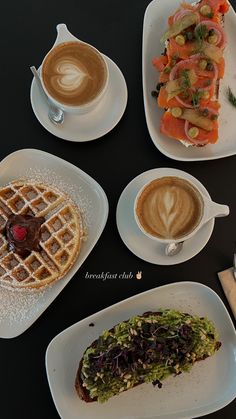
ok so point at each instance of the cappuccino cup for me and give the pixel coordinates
(74, 74)
(172, 209)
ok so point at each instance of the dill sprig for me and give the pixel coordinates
(196, 96)
(185, 82)
(231, 97)
(200, 33)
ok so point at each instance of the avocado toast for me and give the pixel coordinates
(146, 348)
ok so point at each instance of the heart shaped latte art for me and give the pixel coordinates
(74, 73)
(70, 76)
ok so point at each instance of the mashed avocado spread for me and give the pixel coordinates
(146, 348)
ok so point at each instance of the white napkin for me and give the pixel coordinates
(228, 283)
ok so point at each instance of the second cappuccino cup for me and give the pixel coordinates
(171, 209)
(75, 76)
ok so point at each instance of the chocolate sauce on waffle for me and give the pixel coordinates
(30, 240)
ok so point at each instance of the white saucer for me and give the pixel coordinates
(144, 247)
(93, 125)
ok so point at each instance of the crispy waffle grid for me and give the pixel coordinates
(61, 235)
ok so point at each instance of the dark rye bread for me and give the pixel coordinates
(83, 392)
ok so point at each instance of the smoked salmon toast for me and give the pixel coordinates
(190, 70)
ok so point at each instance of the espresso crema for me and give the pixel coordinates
(74, 73)
(169, 208)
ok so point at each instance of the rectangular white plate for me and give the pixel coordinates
(155, 24)
(209, 386)
(19, 309)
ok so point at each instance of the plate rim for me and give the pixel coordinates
(147, 118)
(93, 316)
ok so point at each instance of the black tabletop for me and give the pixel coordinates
(115, 28)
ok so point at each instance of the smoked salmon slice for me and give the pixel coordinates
(174, 128)
(190, 70)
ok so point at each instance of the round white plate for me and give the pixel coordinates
(141, 245)
(95, 124)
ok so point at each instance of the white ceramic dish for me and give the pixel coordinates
(208, 387)
(92, 125)
(155, 22)
(18, 310)
(140, 244)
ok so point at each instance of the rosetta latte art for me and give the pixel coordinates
(74, 73)
(169, 208)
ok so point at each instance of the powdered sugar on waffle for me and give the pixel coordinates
(75, 192)
(18, 306)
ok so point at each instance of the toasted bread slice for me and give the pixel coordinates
(190, 43)
(136, 350)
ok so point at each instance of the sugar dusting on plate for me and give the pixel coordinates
(16, 306)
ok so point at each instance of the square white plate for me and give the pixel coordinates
(209, 386)
(19, 309)
(155, 24)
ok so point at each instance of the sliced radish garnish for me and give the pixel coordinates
(183, 103)
(212, 110)
(183, 12)
(182, 64)
(221, 42)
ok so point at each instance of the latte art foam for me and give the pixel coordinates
(74, 73)
(69, 76)
(169, 208)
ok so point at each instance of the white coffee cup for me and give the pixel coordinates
(64, 36)
(209, 210)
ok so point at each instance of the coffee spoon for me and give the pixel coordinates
(173, 249)
(55, 114)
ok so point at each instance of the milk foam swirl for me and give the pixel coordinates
(74, 73)
(169, 208)
(70, 75)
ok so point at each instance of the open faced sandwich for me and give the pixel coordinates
(146, 348)
(190, 70)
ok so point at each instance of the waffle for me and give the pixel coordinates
(60, 235)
